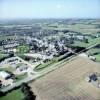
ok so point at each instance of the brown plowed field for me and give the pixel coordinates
(68, 82)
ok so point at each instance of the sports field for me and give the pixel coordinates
(68, 82)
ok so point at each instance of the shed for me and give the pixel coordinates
(93, 77)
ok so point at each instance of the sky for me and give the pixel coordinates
(49, 9)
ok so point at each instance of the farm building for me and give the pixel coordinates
(4, 75)
(6, 78)
(22, 68)
(94, 78)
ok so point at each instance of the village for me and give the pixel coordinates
(25, 57)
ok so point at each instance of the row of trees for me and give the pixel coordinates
(28, 94)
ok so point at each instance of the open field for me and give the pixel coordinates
(85, 30)
(14, 95)
(91, 42)
(23, 49)
(97, 57)
(68, 82)
(95, 52)
(4, 37)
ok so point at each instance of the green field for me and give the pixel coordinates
(9, 69)
(45, 65)
(23, 49)
(97, 57)
(4, 37)
(91, 42)
(95, 52)
(49, 63)
(14, 95)
(21, 77)
(3, 55)
(83, 28)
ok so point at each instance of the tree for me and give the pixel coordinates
(0, 83)
(86, 41)
(11, 54)
(28, 94)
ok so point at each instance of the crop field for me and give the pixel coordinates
(85, 29)
(4, 37)
(68, 82)
(91, 42)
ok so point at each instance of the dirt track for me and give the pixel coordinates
(68, 82)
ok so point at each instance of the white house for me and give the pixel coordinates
(4, 75)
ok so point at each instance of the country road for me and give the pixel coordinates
(43, 72)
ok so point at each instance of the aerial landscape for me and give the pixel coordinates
(48, 56)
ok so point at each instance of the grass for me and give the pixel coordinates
(4, 37)
(91, 42)
(94, 41)
(20, 77)
(10, 69)
(80, 44)
(49, 63)
(77, 27)
(14, 95)
(3, 55)
(97, 57)
(45, 65)
(19, 64)
(93, 50)
(23, 49)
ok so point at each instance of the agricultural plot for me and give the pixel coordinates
(83, 28)
(90, 42)
(68, 82)
(95, 52)
(4, 37)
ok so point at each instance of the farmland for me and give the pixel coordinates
(68, 82)
(14, 95)
(33, 50)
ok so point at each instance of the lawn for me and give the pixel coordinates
(80, 44)
(97, 57)
(3, 55)
(45, 65)
(9, 69)
(21, 77)
(23, 49)
(14, 95)
(93, 50)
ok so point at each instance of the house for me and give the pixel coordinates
(92, 58)
(4, 75)
(23, 68)
(80, 37)
(6, 78)
(10, 47)
(93, 77)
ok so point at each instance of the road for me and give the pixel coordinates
(43, 72)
